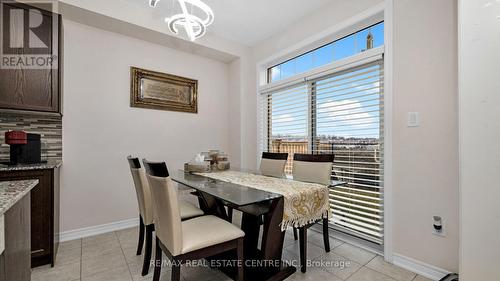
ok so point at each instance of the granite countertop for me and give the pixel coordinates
(13, 191)
(26, 167)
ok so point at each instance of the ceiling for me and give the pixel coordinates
(248, 22)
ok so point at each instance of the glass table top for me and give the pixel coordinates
(235, 194)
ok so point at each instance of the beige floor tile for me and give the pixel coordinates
(338, 265)
(317, 239)
(136, 271)
(67, 255)
(99, 238)
(354, 253)
(109, 247)
(421, 278)
(396, 272)
(313, 274)
(66, 272)
(99, 264)
(131, 257)
(116, 274)
(195, 273)
(70, 244)
(129, 237)
(289, 240)
(366, 274)
(165, 276)
(313, 251)
(290, 258)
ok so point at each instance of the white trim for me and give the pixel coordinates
(421, 268)
(460, 39)
(336, 66)
(352, 24)
(371, 15)
(388, 125)
(382, 11)
(98, 229)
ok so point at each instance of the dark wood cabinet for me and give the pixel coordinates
(28, 84)
(15, 260)
(44, 213)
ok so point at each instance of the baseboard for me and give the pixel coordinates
(421, 268)
(98, 229)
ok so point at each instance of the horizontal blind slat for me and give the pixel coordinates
(342, 114)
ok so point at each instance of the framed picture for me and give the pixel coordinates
(156, 90)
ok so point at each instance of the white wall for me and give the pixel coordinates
(326, 18)
(331, 15)
(101, 129)
(479, 134)
(425, 159)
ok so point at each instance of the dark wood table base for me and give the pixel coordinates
(271, 213)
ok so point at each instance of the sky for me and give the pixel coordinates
(347, 105)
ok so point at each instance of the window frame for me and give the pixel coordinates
(310, 78)
(269, 79)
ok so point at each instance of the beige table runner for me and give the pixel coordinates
(304, 202)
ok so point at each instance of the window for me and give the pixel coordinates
(340, 113)
(350, 45)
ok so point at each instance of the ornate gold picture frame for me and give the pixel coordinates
(156, 90)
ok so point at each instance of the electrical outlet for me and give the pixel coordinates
(438, 226)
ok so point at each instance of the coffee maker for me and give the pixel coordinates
(25, 148)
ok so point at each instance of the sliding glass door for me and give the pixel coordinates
(341, 113)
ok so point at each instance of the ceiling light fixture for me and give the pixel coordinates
(153, 3)
(195, 26)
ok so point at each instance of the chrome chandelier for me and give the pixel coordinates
(194, 25)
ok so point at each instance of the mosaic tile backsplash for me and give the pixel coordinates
(50, 127)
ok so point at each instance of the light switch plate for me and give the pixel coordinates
(413, 119)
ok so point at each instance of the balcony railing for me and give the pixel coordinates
(358, 205)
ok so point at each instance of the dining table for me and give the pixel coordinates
(259, 207)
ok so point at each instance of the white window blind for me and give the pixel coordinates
(340, 114)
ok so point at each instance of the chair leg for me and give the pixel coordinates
(176, 271)
(148, 250)
(241, 268)
(158, 262)
(230, 214)
(303, 248)
(295, 234)
(141, 236)
(326, 237)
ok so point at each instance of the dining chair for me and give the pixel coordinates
(313, 168)
(273, 164)
(146, 217)
(193, 239)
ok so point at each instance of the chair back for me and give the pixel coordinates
(141, 189)
(315, 168)
(273, 164)
(166, 207)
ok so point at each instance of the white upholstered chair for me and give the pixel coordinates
(273, 164)
(193, 239)
(315, 168)
(146, 217)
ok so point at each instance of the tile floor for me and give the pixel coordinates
(111, 257)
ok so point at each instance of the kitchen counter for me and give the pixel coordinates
(28, 167)
(15, 246)
(13, 191)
